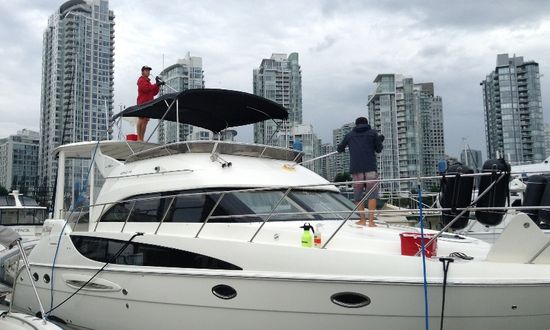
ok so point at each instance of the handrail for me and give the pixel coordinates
(128, 217)
(361, 202)
(210, 214)
(430, 242)
(345, 214)
(165, 214)
(271, 213)
(306, 187)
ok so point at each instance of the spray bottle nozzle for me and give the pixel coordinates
(307, 227)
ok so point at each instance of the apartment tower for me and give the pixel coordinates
(77, 84)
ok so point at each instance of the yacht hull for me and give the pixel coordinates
(149, 300)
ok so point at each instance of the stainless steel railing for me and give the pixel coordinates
(343, 215)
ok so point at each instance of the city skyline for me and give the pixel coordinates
(340, 54)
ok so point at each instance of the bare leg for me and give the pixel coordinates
(362, 220)
(140, 128)
(372, 208)
(143, 129)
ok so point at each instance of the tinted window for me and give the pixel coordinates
(262, 202)
(8, 217)
(7, 201)
(118, 212)
(140, 254)
(327, 202)
(189, 209)
(22, 216)
(192, 206)
(148, 210)
(30, 216)
(27, 201)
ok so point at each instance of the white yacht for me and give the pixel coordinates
(23, 215)
(206, 235)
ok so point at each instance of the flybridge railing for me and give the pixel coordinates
(218, 196)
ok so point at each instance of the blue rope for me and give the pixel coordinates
(426, 319)
(74, 204)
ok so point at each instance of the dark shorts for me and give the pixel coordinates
(361, 188)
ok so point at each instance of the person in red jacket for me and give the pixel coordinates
(146, 93)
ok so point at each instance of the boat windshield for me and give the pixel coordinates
(333, 205)
(262, 202)
(236, 206)
(22, 216)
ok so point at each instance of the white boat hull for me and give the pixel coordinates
(172, 301)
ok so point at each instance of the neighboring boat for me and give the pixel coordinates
(9, 320)
(22, 214)
(211, 234)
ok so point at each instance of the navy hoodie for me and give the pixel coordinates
(363, 142)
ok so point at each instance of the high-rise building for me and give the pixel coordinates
(77, 84)
(279, 79)
(19, 161)
(342, 161)
(547, 140)
(186, 74)
(513, 111)
(328, 164)
(411, 118)
(303, 136)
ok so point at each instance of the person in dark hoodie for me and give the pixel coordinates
(363, 142)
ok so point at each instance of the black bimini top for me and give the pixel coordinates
(212, 109)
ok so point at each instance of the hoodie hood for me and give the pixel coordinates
(361, 128)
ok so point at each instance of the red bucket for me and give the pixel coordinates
(411, 243)
(131, 137)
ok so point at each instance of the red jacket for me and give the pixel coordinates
(146, 90)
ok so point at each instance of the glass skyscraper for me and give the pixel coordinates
(514, 126)
(77, 84)
(411, 118)
(186, 74)
(342, 159)
(279, 79)
(19, 162)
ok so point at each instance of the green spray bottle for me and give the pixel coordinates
(307, 238)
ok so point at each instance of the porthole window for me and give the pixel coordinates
(350, 299)
(46, 278)
(223, 291)
(35, 277)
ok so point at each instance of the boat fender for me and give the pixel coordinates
(536, 185)
(544, 214)
(456, 192)
(497, 195)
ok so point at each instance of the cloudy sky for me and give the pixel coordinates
(342, 45)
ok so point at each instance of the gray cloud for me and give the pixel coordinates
(342, 44)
